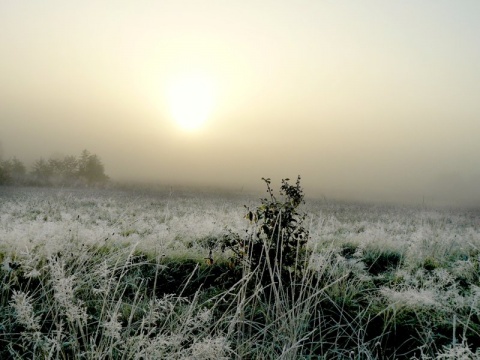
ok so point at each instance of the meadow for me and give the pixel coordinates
(140, 273)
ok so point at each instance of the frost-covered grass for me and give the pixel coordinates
(121, 274)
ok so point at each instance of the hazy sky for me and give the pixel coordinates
(368, 99)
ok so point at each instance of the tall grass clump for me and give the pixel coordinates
(98, 304)
(275, 292)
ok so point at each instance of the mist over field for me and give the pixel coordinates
(366, 100)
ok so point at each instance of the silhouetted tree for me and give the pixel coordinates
(69, 168)
(91, 169)
(55, 167)
(4, 175)
(17, 170)
(42, 171)
(56, 171)
(14, 171)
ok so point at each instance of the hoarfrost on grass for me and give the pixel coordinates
(100, 231)
(410, 298)
(24, 312)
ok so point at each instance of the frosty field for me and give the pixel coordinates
(124, 274)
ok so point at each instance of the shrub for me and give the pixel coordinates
(276, 244)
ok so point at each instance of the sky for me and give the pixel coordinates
(366, 100)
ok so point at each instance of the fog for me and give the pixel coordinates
(366, 100)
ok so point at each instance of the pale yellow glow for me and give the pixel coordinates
(191, 98)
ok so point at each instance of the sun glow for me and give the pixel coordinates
(191, 99)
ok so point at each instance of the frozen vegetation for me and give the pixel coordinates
(126, 274)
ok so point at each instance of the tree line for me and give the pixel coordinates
(86, 169)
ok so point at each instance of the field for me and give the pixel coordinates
(128, 274)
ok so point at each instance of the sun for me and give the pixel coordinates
(191, 99)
